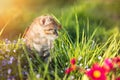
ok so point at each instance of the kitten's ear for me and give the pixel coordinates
(42, 21)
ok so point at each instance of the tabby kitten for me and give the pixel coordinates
(41, 34)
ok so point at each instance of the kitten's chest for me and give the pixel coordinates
(47, 44)
(42, 44)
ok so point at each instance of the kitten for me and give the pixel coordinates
(41, 34)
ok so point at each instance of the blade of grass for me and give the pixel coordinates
(32, 74)
(19, 68)
(1, 31)
(77, 29)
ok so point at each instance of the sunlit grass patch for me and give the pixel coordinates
(88, 45)
(17, 62)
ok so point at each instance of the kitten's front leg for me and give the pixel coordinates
(46, 55)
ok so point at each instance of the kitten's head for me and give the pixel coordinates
(49, 26)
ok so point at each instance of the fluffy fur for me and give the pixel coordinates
(41, 34)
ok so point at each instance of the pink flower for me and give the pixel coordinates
(73, 61)
(96, 73)
(116, 60)
(108, 65)
(117, 78)
(72, 67)
(68, 70)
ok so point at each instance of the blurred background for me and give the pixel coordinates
(17, 15)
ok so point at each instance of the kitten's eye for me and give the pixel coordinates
(55, 32)
(50, 29)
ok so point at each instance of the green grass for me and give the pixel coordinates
(89, 42)
(85, 47)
